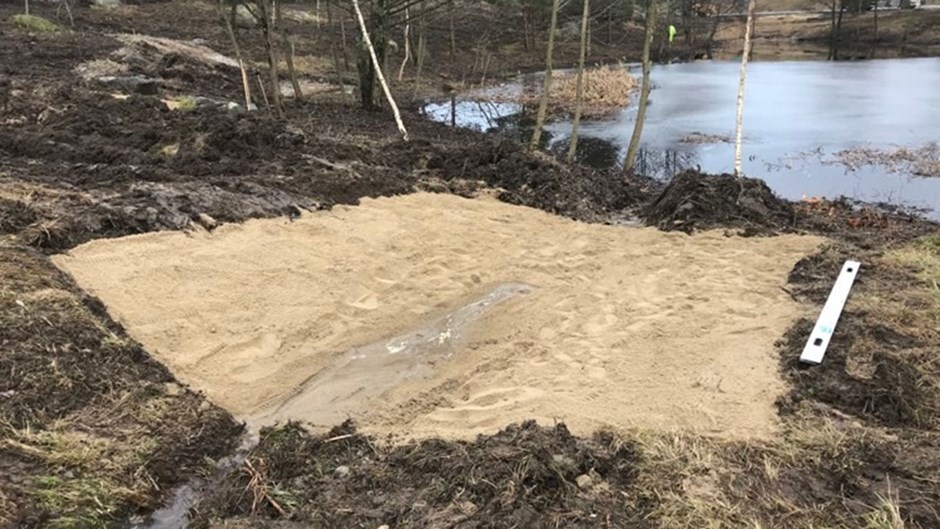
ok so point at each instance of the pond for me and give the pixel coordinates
(799, 118)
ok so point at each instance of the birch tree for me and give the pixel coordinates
(547, 81)
(579, 86)
(644, 90)
(751, 6)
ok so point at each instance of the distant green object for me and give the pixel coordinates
(34, 24)
(672, 33)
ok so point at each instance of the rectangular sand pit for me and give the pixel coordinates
(436, 315)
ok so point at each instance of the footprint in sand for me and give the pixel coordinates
(368, 301)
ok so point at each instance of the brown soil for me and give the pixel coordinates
(524, 476)
(694, 201)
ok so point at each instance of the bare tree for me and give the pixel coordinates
(263, 12)
(579, 87)
(229, 28)
(547, 81)
(404, 61)
(289, 43)
(644, 91)
(744, 57)
(378, 70)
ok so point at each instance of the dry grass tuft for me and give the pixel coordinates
(606, 90)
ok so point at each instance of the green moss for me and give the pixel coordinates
(34, 24)
(187, 103)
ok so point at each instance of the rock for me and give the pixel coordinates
(207, 222)
(172, 389)
(383, 526)
(244, 18)
(136, 84)
(106, 3)
(584, 481)
(341, 471)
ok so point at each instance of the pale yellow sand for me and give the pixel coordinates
(623, 326)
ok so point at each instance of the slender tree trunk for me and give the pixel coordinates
(453, 36)
(368, 69)
(745, 53)
(270, 44)
(378, 71)
(26, 6)
(525, 32)
(835, 48)
(579, 87)
(342, 31)
(246, 86)
(294, 81)
(333, 53)
(547, 82)
(422, 51)
(644, 91)
(401, 70)
(610, 25)
(874, 44)
(832, 32)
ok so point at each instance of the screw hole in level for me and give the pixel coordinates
(848, 269)
(817, 342)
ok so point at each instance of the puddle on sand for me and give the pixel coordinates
(366, 372)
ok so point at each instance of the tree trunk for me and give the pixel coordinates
(835, 48)
(453, 36)
(404, 61)
(294, 81)
(246, 87)
(579, 87)
(422, 50)
(342, 31)
(378, 70)
(644, 91)
(832, 32)
(874, 44)
(745, 53)
(336, 64)
(26, 6)
(661, 50)
(610, 25)
(369, 70)
(267, 26)
(547, 82)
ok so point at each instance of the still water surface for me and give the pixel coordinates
(797, 116)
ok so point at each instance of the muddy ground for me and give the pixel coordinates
(94, 431)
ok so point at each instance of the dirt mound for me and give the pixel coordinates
(537, 180)
(524, 476)
(696, 201)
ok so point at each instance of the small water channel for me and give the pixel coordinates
(797, 117)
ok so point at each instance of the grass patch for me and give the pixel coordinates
(34, 24)
(922, 257)
(80, 502)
